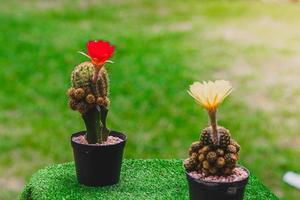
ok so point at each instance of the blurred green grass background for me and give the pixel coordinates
(162, 47)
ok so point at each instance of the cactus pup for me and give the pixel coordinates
(98, 151)
(213, 158)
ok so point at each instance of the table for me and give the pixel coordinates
(140, 179)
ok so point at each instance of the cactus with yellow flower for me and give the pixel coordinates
(216, 153)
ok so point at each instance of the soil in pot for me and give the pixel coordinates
(110, 140)
(216, 187)
(98, 164)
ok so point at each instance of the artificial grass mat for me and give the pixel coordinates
(140, 179)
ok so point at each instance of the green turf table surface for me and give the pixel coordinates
(140, 179)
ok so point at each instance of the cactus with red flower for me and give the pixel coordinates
(89, 92)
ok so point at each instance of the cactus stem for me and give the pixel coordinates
(93, 125)
(213, 123)
(104, 131)
(96, 72)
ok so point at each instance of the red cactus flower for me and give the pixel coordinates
(99, 51)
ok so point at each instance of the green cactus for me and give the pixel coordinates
(91, 100)
(210, 158)
(216, 152)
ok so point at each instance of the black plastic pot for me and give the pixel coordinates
(98, 165)
(204, 190)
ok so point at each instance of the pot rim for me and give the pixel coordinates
(115, 133)
(216, 182)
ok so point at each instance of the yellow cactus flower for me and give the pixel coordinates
(210, 94)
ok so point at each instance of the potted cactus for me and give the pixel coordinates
(211, 169)
(97, 151)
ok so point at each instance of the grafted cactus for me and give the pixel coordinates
(89, 95)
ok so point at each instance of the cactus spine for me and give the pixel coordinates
(91, 100)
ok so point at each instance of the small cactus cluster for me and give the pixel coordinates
(84, 93)
(215, 153)
(213, 159)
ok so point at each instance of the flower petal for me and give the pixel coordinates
(210, 94)
(100, 51)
